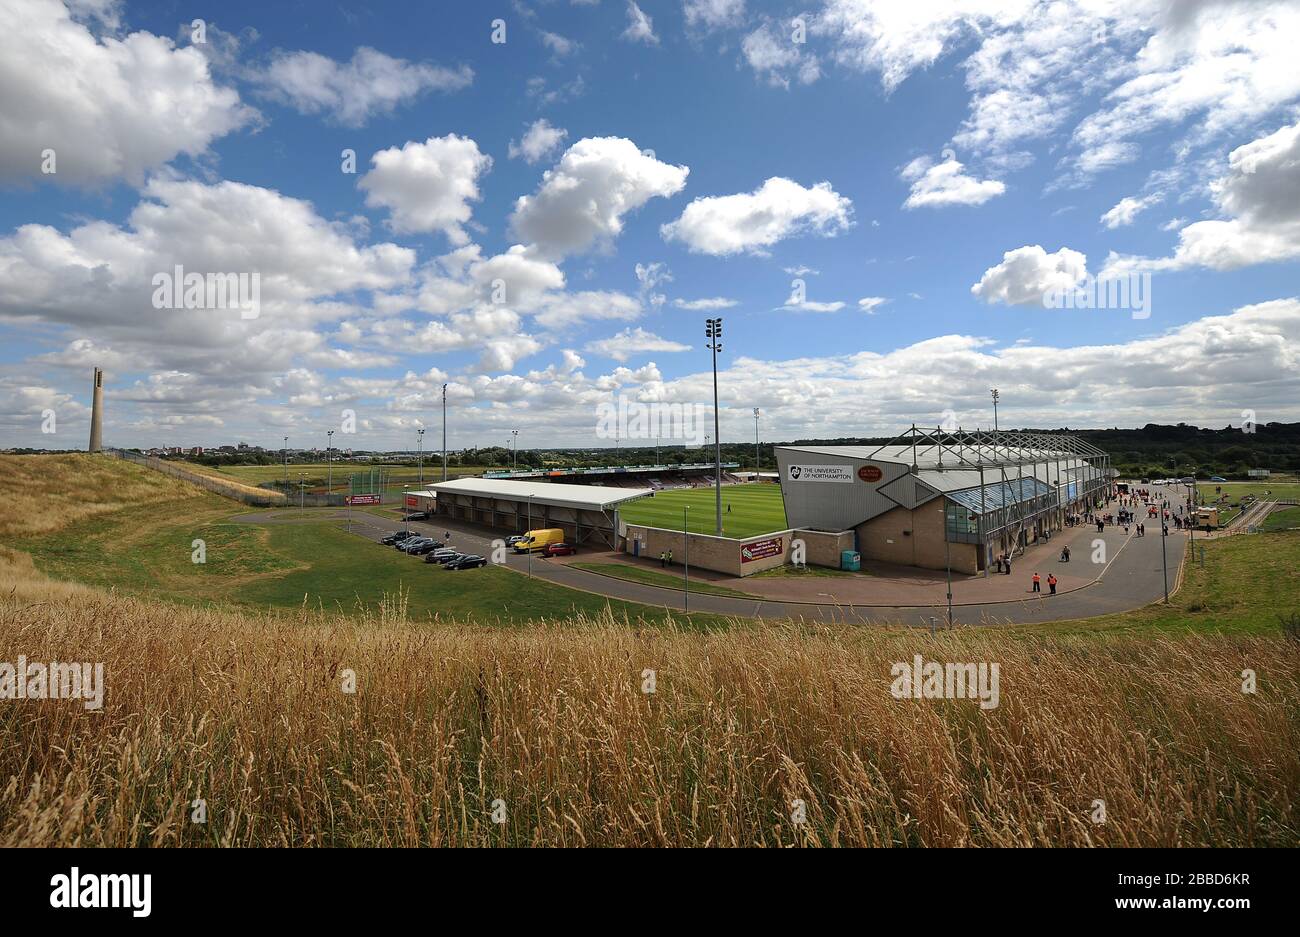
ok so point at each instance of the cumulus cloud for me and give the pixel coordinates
(569, 310)
(936, 185)
(582, 201)
(539, 142)
(427, 186)
(631, 342)
(753, 221)
(108, 108)
(640, 28)
(1260, 195)
(869, 304)
(1026, 273)
(351, 93)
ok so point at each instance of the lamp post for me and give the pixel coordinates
(656, 450)
(1164, 564)
(286, 461)
(419, 457)
(947, 556)
(514, 448)
(302, 488)
(713, 331)
(329, 461)
(757, 464)
(444, 432)
(530, 527)
(686, 558)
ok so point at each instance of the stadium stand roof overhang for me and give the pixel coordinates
(581, 497)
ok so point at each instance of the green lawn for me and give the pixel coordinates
(755, 509)
(1278, 491)
(656, 577)
(1247, 582)
(148, 551)
(1285, 519)
(395, 476)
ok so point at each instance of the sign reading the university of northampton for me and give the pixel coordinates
(820, 473)
(760, 549)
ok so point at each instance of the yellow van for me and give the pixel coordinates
(536, 540)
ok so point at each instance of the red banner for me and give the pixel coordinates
(364, 499)
(760, 549)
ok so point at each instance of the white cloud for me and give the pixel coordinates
(869, 304)
(712, 14)
(540, 141)
(936, 185)
(569, 310)
(427, 186)
(1128, 208)
(704, 305)
(803, 270)
(630, 342)
(1260, 194)
(353, 92)
(109, 108)
(771, 52)
(640, 28)
(582, 201)
(753, 221)
(650, 277)
(560, 46)
(1026, 273)
(809, 305)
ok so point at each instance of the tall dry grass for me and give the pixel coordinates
(247, 712)
(43, 493)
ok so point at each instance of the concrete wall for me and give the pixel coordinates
(915, 538)
(823, 548)
(720, 554)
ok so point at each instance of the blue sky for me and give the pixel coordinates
(933, 167)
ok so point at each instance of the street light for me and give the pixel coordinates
(419, 458)
(444, 432)
(329, 461)
(302, 488)
(286, 461)
(686, 559)
(530, 527)
(713, 332)
(757, 464)
(514, 464)
(947, 557)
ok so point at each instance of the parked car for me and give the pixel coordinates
(397, 535)
(442, 556)
(421, 549)
(465, 561)
(412, 544)
(512, 540)
(559, 549)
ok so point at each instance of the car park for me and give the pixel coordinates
(559, 549)
(465, 561)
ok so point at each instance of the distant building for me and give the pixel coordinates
(1258, 473)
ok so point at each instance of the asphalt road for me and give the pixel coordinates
(1133, 577)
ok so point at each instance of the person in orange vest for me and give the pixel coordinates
(1051, 582)
(1038, 586)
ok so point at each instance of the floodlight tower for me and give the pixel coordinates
(757, 463)
(713, 332)
(419, 456)
(329, 461)
(444, 432)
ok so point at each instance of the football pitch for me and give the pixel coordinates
(755, 509)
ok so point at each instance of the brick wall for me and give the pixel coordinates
(914, 538)
(720, 554)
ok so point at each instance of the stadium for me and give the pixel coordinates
(937, 499)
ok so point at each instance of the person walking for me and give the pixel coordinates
(1038, 586)
(1051, 582)
(663, 559)
(670, 557)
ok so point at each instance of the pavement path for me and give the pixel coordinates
(1132, 576)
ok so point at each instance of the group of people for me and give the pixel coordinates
(1051, 582)
(665, 557)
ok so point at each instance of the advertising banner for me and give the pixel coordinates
(820, 473)
(760, 549)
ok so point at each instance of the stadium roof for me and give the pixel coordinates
(582, 497)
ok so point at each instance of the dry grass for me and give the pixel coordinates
(247, 713)
(43, 493)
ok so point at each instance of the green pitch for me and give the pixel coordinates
(755, 509)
